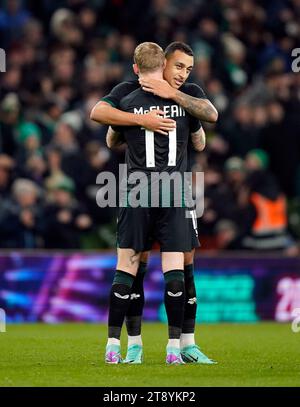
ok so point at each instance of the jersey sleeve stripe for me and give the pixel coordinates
(108, 101)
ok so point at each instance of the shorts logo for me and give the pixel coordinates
(192, 300)
(134, 296)
(123, 297)
(176, 294)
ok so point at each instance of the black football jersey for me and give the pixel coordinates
(149, 151)
(124, 88)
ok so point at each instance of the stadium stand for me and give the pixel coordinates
(62, 57)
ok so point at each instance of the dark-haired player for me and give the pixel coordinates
(179, 63)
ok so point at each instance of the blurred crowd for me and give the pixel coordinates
(64, 56)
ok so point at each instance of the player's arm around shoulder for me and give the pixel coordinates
(198, 139)
(197, 104)
(98, 113)
(108, 111)
(104, 113)
(192, 99)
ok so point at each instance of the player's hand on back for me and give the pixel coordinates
(155, 121)
(158, 87)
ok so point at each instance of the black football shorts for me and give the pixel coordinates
(138, 228)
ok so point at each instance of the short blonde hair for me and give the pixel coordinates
(149, 57)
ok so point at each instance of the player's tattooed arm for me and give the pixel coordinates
(199, 139)
(200, 108)
(113, 138)
(104, 113)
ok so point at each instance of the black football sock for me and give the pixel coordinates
(174, 301)
(137, 301)
(190, 306)
(119, 302)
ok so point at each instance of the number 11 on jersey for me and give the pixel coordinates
(150, 152)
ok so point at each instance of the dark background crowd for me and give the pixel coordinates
(63, 56)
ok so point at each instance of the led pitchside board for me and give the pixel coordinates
(74, 287)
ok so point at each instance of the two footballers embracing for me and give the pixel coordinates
(157, 121)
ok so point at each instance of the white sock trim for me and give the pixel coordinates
(174, 343)
(187, 340)
(113, 341)
(135, 340)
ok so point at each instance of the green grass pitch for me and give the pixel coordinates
(263, 354)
